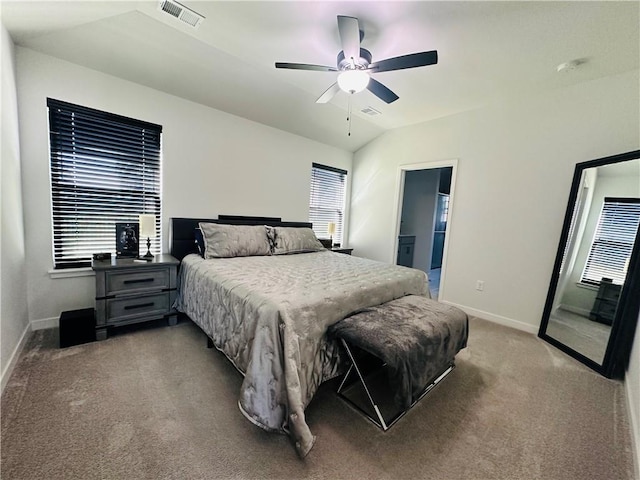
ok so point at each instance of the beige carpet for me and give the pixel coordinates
(154, 403)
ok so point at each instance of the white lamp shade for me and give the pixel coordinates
(331, 228)
(147, 225)
(353, 81)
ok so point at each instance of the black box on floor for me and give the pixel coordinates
(77, 326)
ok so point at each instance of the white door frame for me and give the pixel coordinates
(402, 170)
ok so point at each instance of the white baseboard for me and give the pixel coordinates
(14, 357)
(507, 322)
(634, 423)
(43, 323)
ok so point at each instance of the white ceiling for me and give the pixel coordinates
(488, 51)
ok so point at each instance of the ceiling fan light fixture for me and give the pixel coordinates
(354, 64)
(353, 81)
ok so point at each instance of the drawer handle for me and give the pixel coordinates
(139, 280)
(140, 305)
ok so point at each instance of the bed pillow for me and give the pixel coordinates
(224, 241)
(285, 240)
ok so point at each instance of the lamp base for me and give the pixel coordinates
(148, 255)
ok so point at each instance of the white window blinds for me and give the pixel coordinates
(105, 168)
(326, 203)
(613, 241)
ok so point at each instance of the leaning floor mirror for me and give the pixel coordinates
(592, 306)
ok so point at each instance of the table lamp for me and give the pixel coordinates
(331, 229)
(147, 229)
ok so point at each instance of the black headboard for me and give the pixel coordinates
(182, 229)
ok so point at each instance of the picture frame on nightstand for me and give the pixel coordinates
(127, 240)
(326, 242)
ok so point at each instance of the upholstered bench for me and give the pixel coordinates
(414, 338)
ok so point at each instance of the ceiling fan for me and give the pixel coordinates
(355, 65)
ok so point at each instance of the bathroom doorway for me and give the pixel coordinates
(425, 204)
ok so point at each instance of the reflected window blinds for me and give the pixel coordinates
(613, 241)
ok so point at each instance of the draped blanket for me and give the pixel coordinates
(269, 315)
(415, 336)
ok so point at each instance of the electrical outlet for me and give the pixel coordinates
(480, 285)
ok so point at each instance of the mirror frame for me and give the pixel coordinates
(623, 327)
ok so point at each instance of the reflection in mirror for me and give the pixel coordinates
(601, 234)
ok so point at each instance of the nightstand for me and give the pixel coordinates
(606, 303)
(346, 251)
(129, 291)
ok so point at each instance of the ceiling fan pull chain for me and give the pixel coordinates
(349, 115)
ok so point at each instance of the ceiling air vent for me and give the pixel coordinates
(370, 111)
(181, 12)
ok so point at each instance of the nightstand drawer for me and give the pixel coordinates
(606, 310)
(127, 308)
(123, 282)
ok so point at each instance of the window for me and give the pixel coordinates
(105, 168)
(613, 241)
(327, 200)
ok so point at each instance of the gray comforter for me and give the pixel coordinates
(269, 315)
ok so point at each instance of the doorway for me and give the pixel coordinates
(425, 199)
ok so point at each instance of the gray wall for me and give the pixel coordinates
(213, 163)
(515, 166)
(14, 318)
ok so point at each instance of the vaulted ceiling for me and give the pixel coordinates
(488, 51)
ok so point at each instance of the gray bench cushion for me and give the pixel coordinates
(416, 336)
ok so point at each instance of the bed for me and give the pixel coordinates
(269, 314)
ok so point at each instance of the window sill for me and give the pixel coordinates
(71, 273)
(587, 286)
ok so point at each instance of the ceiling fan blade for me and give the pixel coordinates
(349, 36)
(405, 61)
(305, 66)
(382, 92)
(329, 93)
